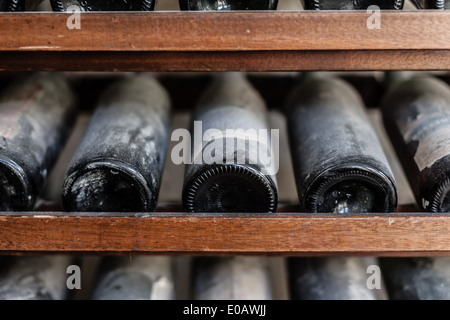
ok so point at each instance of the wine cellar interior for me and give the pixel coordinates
(286, 254)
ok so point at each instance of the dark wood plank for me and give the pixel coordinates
(225, 31)
(324, 60)
(276, 41)
(177, 233)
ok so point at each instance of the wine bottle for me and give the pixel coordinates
(416, 115)
(19, 5)
(34, 277)
(103, 5)
(118, 164)
(139, 278)
(231, 278)
(228, 171)
(339, 164)
(36, 115)
(352, 5)
(430, 4)
(334, 278)
(9, 5)
(227, 5)
(418, 278)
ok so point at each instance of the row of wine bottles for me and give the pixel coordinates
(226, 278)
(338, 162)
(206, 5)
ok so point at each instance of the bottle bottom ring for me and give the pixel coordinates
(441, 199)
(15, 190)
(107, 186)
(354, 190)
(230, 188)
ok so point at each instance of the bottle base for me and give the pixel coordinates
(107, 186)
(351, 189)
(16, 194)
(230, 188)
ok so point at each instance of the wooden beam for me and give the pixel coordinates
(287, 234)
(225, 31)
(323, 60)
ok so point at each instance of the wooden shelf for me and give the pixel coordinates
(212, 41)
(286, 233)
(208, 41)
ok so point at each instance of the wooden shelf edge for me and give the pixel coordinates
(162, 61)
(226, 41)
(289, 234)
(231, 31)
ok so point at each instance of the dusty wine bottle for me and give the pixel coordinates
(430, 4)
(231, 278)
(19, 5)
(416, 115)
(36, 116)
(334, 278)
(37, 277)
(339, 164)
(233, 165)
(118, 164)
(9, 5)
(227, 5)
(103, 5)
(141, 278)
(352, 4)
(418, 278)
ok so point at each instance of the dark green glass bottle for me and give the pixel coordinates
(104, 5)
(352, 4)
(339, 164)
(417, 278)
(228, 172)
(35, 277)
(118, 164)
(36, 116)
(431, 4)
(227, 5)
(8, 5)
(231, 278)
(332, 278)
(416, 115)
(140, 278)
(19, 5)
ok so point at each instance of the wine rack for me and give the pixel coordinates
(211, 41)
(235, 41)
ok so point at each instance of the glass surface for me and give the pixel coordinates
(226, 5)
(3, 5)
(347, 197)
(352, 4)
(103, 5)
(106, 190)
